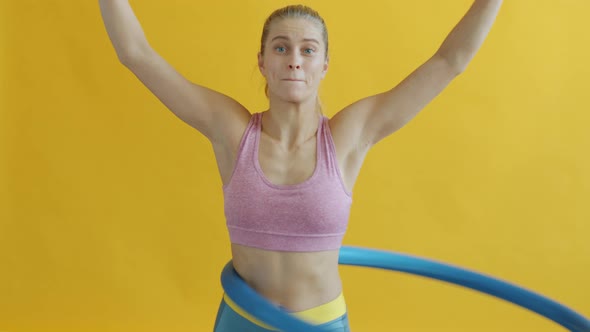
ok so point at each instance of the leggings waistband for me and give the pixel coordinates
(317, 315)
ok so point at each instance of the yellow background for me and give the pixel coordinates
(112, 209)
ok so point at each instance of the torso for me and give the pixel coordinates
(294, 280)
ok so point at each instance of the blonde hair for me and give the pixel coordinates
(294, 11)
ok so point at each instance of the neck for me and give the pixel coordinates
(291, 124)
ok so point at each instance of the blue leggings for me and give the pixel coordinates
(231, 318)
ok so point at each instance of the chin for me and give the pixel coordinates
(295, 97)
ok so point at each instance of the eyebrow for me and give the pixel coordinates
(304, 39)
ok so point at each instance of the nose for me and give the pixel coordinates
(294, 66)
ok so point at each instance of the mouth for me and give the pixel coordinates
(293, 80)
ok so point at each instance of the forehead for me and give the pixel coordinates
(296, 29)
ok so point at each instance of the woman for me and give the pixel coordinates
(288, 172)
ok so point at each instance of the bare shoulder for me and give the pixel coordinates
(351, 148)
(228, 124)
(229, 127)
(347, 130)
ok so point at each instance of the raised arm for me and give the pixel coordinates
(218, 117)
(123, 28)
(369, 120)
(466, 38)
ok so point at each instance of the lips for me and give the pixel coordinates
(292, 80)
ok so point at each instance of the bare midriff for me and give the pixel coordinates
(296, 281)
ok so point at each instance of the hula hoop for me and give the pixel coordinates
(247, 298)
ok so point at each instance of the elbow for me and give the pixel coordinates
(458, 68)
(130, 56)
(127, 58)
(457, 63)
(123, 58)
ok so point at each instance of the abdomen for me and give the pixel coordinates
(295, 280)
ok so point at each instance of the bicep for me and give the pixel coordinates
(210, 112)
(376, 117)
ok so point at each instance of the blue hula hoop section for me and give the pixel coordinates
(247, 298)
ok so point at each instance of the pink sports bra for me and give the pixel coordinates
(308, 216)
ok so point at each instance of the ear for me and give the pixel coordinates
(325, 71)
(261, 64)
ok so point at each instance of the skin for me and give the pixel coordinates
(300, 281)
(287, 150)
(294, 63)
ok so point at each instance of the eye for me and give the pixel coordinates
(280, 49)
(309, 51)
